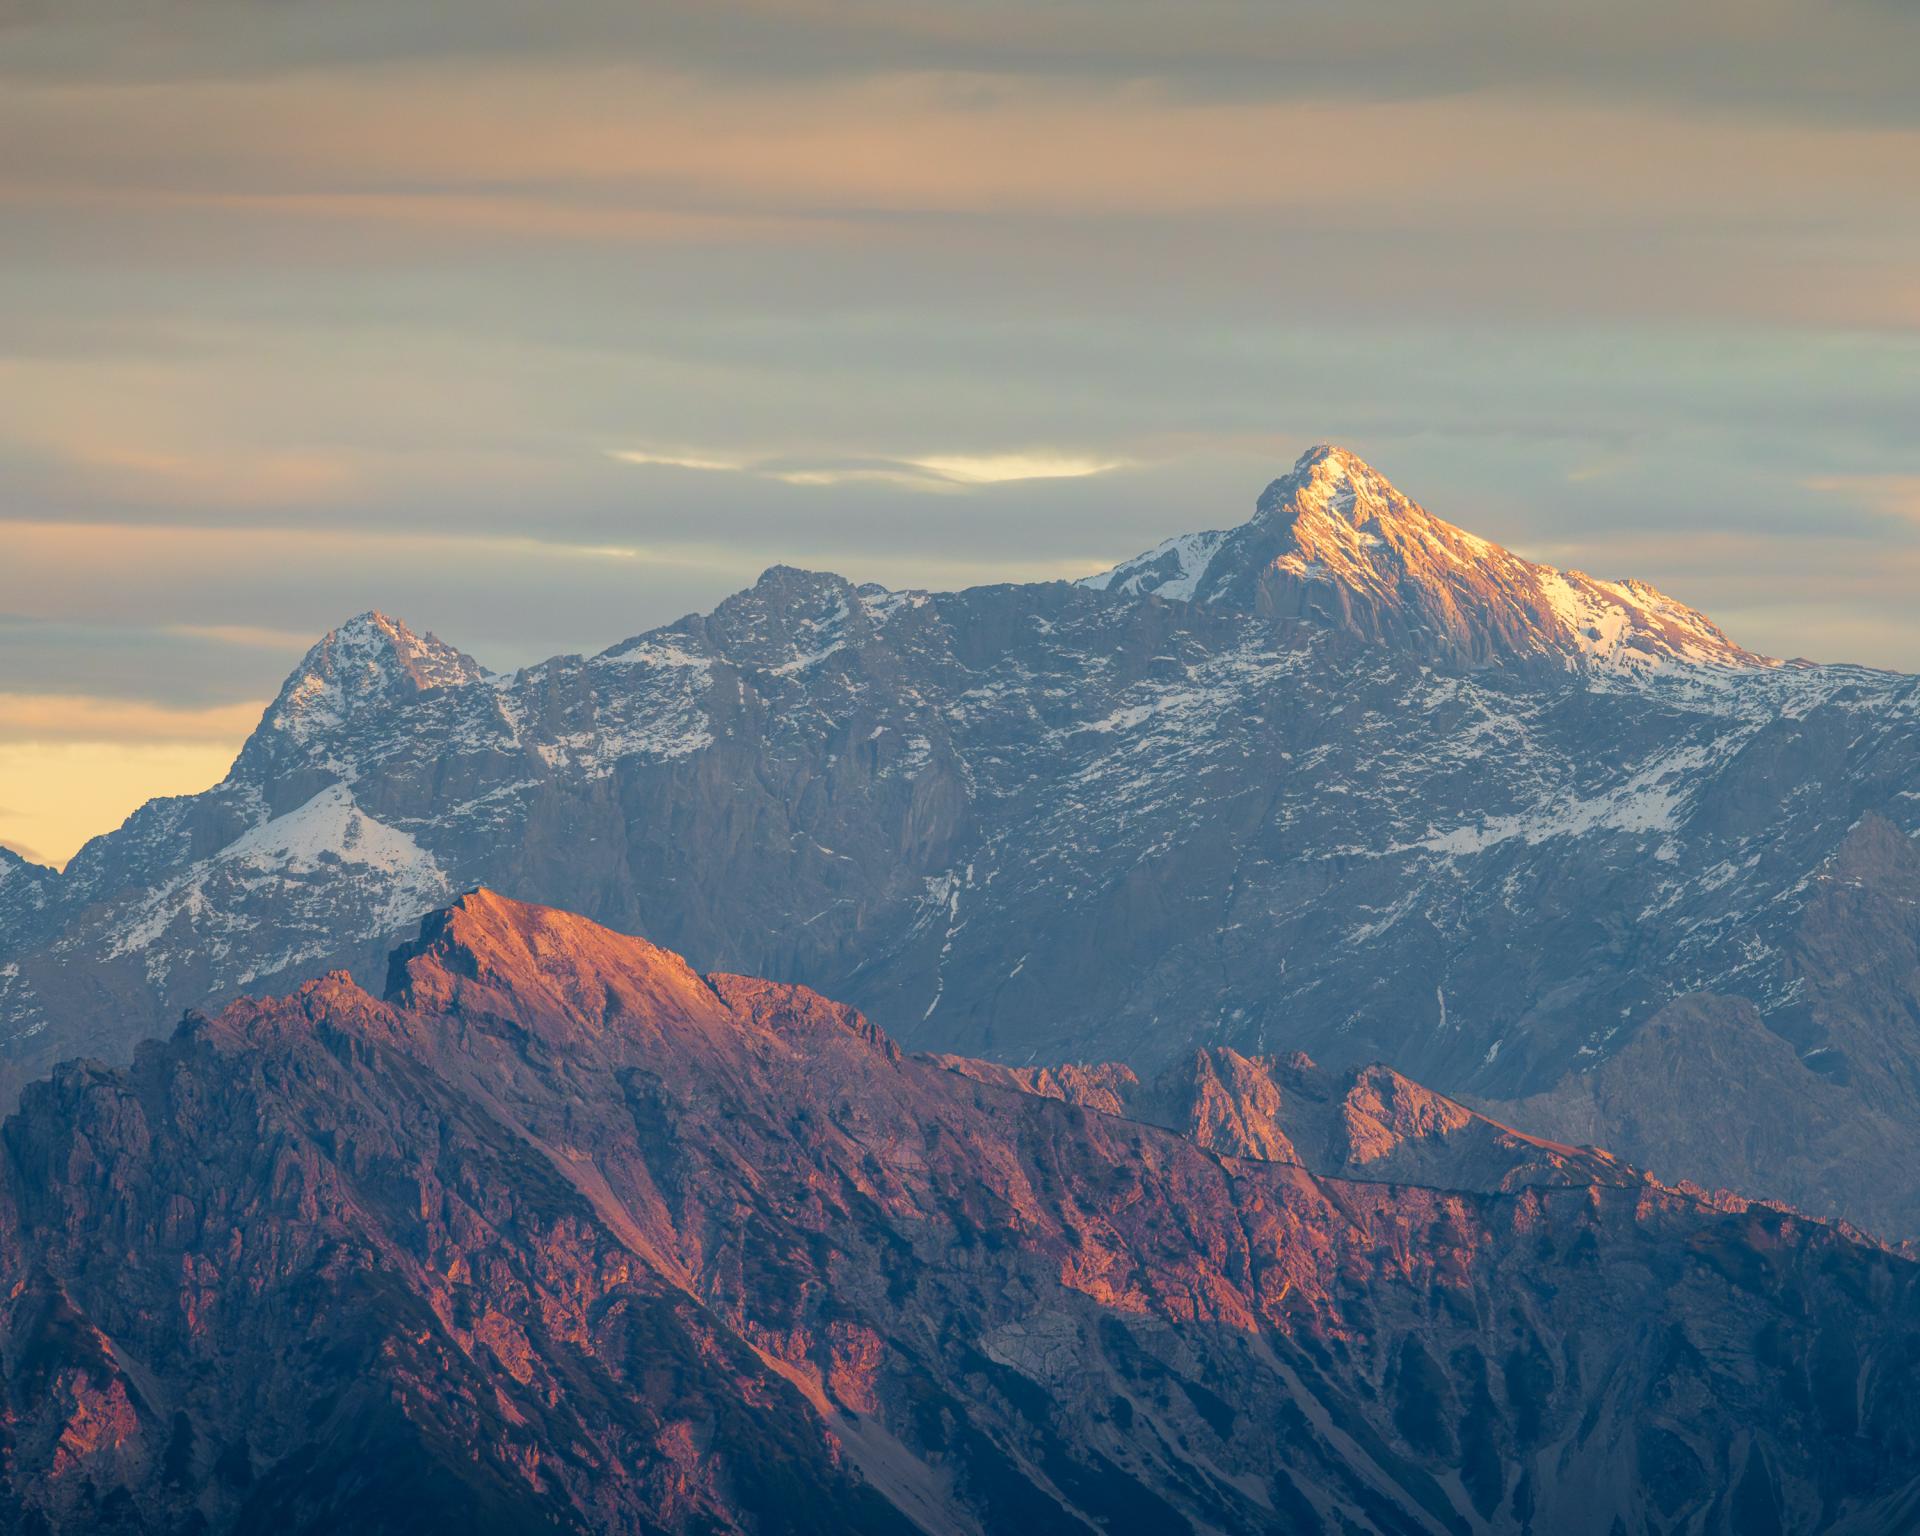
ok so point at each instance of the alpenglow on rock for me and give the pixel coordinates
(1343, 779)
(558, 1234)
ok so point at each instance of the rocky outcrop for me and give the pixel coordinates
(1367, 1123)
(562, 1235)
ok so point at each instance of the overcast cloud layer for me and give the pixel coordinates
(541, 325)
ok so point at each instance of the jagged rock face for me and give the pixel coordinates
(366, 662)
(1367, 1123)
(1345, 780)
(564, 1236)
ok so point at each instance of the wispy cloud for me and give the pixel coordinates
(937, 473)
(676, 460)
(998, 468)
(253, 636)
(1896, 496)
(43, 717)
(785, 470)
(864, 474)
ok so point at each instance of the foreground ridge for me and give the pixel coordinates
(561, 1234)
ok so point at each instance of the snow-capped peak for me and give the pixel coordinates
(1334, 482)
(368, 659)
(1333, 540)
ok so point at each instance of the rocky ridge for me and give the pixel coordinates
(561, 1234)
(1366, 1123)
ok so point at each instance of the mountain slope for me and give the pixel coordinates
(1379, 801)
(562, 1235)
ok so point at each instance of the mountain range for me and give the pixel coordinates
(1343, 780)
(558, 1233)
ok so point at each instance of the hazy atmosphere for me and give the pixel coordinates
(539, 336)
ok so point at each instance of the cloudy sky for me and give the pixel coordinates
(537, 325)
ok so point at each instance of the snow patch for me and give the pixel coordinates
(1649, 801)
(1172, 570)
(378, 879)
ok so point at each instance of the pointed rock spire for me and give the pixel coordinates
(369, 659)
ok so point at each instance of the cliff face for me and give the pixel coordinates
(561, 1234)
